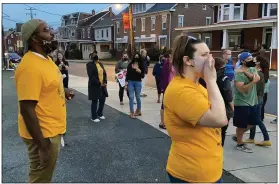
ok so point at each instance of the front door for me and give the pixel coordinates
(86, 50)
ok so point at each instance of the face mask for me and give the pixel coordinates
(125, 59)
(220, 72)
(198, 65)
(229, 57)
(250, 64)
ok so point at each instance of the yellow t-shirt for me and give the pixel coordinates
(100, 73)
(38, 78)
(196, 153)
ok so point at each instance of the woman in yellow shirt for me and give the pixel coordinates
(194, 115)
(97, 87)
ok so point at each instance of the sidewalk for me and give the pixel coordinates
(260, 166)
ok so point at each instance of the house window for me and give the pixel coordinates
(107, 33)
(208, 21)
(186, 5)
(236, 13)
(273, 9)
(73, 33)
(207, 41)
(125, 30)
(139, 8)
(102, 33)
(143, 24)
(153, 20)
(226, 14)
(83, 33)
(180, 20)
(164, 22)
(104, 48)
(234, 40)
(134, 24)
(203, 7)
(117, 27)
(163, 42)
(269, 10)
(88, 32)
(9, 42)
(230, 12)
(12, 35)
(98, 34)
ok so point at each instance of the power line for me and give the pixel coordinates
(42, 10)
(10, 20)
(31, 12)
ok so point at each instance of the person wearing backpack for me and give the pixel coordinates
(225, 88)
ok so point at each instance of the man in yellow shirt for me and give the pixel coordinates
(41, 96)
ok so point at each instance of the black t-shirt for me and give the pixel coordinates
(132, 74)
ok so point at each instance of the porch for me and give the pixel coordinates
(254, 35)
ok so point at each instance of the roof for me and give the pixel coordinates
(106, 22)
(92, 19)
(156, 8)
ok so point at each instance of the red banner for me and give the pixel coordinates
(125, 19)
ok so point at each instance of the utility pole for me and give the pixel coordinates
(132, 42)
(31, 12)
(4, 62)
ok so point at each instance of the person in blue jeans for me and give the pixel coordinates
(261, 64)
(134, 76)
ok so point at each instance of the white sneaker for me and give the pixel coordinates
(95, 120)
(102, 117)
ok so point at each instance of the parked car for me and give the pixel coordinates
(13, 59)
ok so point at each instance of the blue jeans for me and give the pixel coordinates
(134, 87)
(176, 180)
(260, 124)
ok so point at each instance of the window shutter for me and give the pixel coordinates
(260, 10)
(245, 11)
(215, 14)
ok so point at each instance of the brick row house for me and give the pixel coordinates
(13, 40)
(79, 28)
(242, 26)
(154, 24)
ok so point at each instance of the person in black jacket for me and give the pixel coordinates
(225, 88)
(97, 87)
(135, 73)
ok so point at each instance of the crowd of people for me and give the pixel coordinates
(200, 96)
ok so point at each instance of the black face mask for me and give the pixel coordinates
(250, 64)
(221, 72)
(125, 59)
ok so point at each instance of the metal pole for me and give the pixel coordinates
(132, 45)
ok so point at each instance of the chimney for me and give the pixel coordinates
(93, 12)
(110, 12)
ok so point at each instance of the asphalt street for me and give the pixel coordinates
(117, 149)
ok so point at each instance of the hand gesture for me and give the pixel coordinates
(256, 78)
(239, 70)
(135, 66)
(209, 70)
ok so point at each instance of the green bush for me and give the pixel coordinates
(154, 54)
(113, 52)
(75, 54)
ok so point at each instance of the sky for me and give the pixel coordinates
(51, 13)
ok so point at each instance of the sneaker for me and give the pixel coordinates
(121, 103)
(274, 121)
(249, 141)
(135, 103)
(95, 120)
(143, 95)
(102, 117)
(263, 143)
(242, 147)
